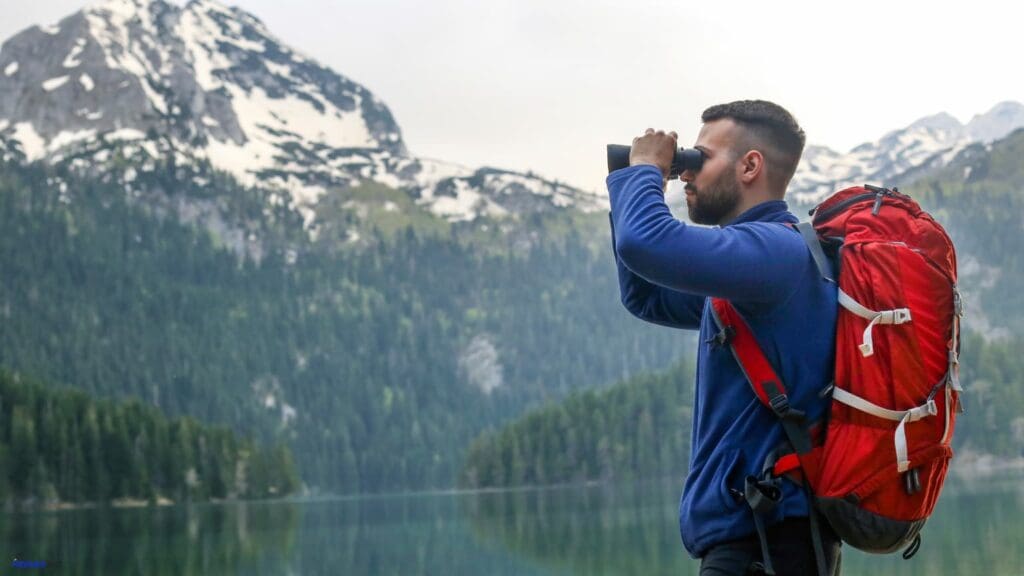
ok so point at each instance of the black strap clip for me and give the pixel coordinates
(762, 497)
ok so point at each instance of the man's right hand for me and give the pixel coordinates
(656, 148)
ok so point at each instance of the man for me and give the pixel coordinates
(667, 272)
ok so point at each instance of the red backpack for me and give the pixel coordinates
(875, 467)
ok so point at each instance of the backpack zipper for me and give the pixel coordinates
(877, 193)
(824, 216)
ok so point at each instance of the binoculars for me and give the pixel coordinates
(685, 159)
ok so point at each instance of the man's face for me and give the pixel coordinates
(712, 193)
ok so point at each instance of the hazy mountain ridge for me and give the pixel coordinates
(899, 156)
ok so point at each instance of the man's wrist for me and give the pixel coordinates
(617, 179)
(645, 161)
(648, 162)
(622, 172)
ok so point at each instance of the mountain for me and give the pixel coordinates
(179, 193)
(180, 196)
(899, 156)
(210, 85)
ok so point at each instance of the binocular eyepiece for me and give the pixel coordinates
(685, 159)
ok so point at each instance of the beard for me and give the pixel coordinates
(712, 203)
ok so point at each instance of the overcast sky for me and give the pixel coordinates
(543, 85)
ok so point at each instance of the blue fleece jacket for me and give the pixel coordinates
(667, 269)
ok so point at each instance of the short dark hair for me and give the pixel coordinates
(771, 129)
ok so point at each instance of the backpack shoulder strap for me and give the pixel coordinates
(764, 381)
(810, 236)
(734, 331)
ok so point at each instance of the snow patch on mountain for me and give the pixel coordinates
(72, 61)
(32, 144)
(54, 83)
(210, 85)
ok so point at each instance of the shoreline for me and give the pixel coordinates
(966, 465)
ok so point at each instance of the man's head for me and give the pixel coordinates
(751, 149)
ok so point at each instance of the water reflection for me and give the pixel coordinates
(978, 528)
(590, 530)
(600, 530)
(400, 535)
(207, 539)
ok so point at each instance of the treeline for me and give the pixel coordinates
(638, 428)
(60, 445)
(993, 377)
(377, 363)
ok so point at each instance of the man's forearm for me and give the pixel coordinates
(653, 303)
(757, 262)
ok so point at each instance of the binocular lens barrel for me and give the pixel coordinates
(685, 159)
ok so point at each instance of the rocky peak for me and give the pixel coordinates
(203, 75)
(211, 85)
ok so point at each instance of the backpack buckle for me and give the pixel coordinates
(901, 316)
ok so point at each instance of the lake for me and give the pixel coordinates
(978, 528)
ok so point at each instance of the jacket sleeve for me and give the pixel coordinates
(653, 303)
(755, 262)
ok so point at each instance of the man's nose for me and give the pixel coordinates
(687, 175)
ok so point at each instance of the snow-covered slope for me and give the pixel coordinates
(206, 83)
(928, 143)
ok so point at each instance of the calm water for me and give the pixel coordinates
(978, 529)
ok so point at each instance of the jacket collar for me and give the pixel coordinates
(770, 211)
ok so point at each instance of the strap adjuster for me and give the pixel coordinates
(779, 404)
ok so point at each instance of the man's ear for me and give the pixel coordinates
(751, 166)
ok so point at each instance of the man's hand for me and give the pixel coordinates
(656, 148)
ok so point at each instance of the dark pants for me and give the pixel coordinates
(789, 544)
